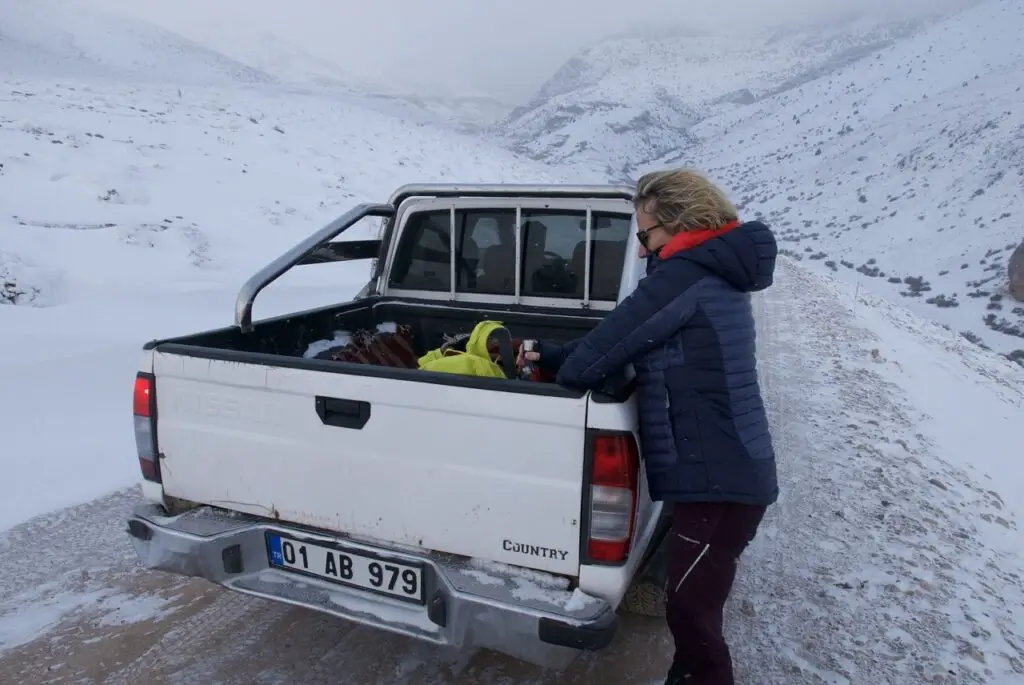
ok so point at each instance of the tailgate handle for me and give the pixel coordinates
(342, 413)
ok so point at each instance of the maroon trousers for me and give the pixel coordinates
(705, 544)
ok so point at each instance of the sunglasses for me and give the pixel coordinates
(642, 235)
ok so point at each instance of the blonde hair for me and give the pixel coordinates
(683, 200)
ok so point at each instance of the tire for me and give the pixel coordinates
(647, 595)
(645, 598)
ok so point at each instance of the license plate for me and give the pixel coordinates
(345, 567)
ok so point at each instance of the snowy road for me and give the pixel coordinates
(115, 623)
(887, 560)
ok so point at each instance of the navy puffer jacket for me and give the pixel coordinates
(688, 330)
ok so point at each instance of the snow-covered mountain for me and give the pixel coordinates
(629, 100)
(49, 39)
(888, 153)
(185, 184)
(44, 37)
(903, 170)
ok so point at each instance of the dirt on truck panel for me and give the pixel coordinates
(76, 607)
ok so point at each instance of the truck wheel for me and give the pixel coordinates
(647, 594)
(645, 598)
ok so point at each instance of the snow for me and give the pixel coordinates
(578, 601)
(524, 576)
(630, 99)
(143, 180)
(959, 388)
(341, 338)
(46, 37)
(527, 585)
(897, 528)
(40, 38)
(901, 171)
(89, 583)
(483, 577)
(29, 615)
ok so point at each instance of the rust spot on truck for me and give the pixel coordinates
(177, 505)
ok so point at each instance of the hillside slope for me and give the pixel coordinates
(903, 170)
(894, 552)
(44, 38)
(628, 100)
(47, 39)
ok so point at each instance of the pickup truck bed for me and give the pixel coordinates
(291, 335)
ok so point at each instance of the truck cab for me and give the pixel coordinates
(464, 511)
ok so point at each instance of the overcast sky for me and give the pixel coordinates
(506, 48)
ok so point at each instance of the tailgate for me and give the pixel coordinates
(481, 473)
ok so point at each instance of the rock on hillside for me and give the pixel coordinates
(1016, 273)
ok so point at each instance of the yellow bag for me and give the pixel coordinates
(475, 361)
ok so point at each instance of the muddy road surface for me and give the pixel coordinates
(76, 607)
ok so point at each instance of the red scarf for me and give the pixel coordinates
(685, 240)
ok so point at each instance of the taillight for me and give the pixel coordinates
(615, 461)
(144, 409)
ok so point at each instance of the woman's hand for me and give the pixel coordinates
(524, 357)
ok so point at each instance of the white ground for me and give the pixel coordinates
(893, 555)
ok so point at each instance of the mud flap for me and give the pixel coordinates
(654, 567)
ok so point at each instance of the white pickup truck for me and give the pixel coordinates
(473, 512)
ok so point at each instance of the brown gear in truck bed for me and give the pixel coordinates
(378, 348)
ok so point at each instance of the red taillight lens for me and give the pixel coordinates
(615, 463)
(144, 409)
(142, 397)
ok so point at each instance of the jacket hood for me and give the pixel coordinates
(743, 256)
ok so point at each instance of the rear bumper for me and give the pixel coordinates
(529, 615)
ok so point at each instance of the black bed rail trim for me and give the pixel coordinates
(369, 370)
(493, 310)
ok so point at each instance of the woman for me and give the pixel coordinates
(688, 329)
